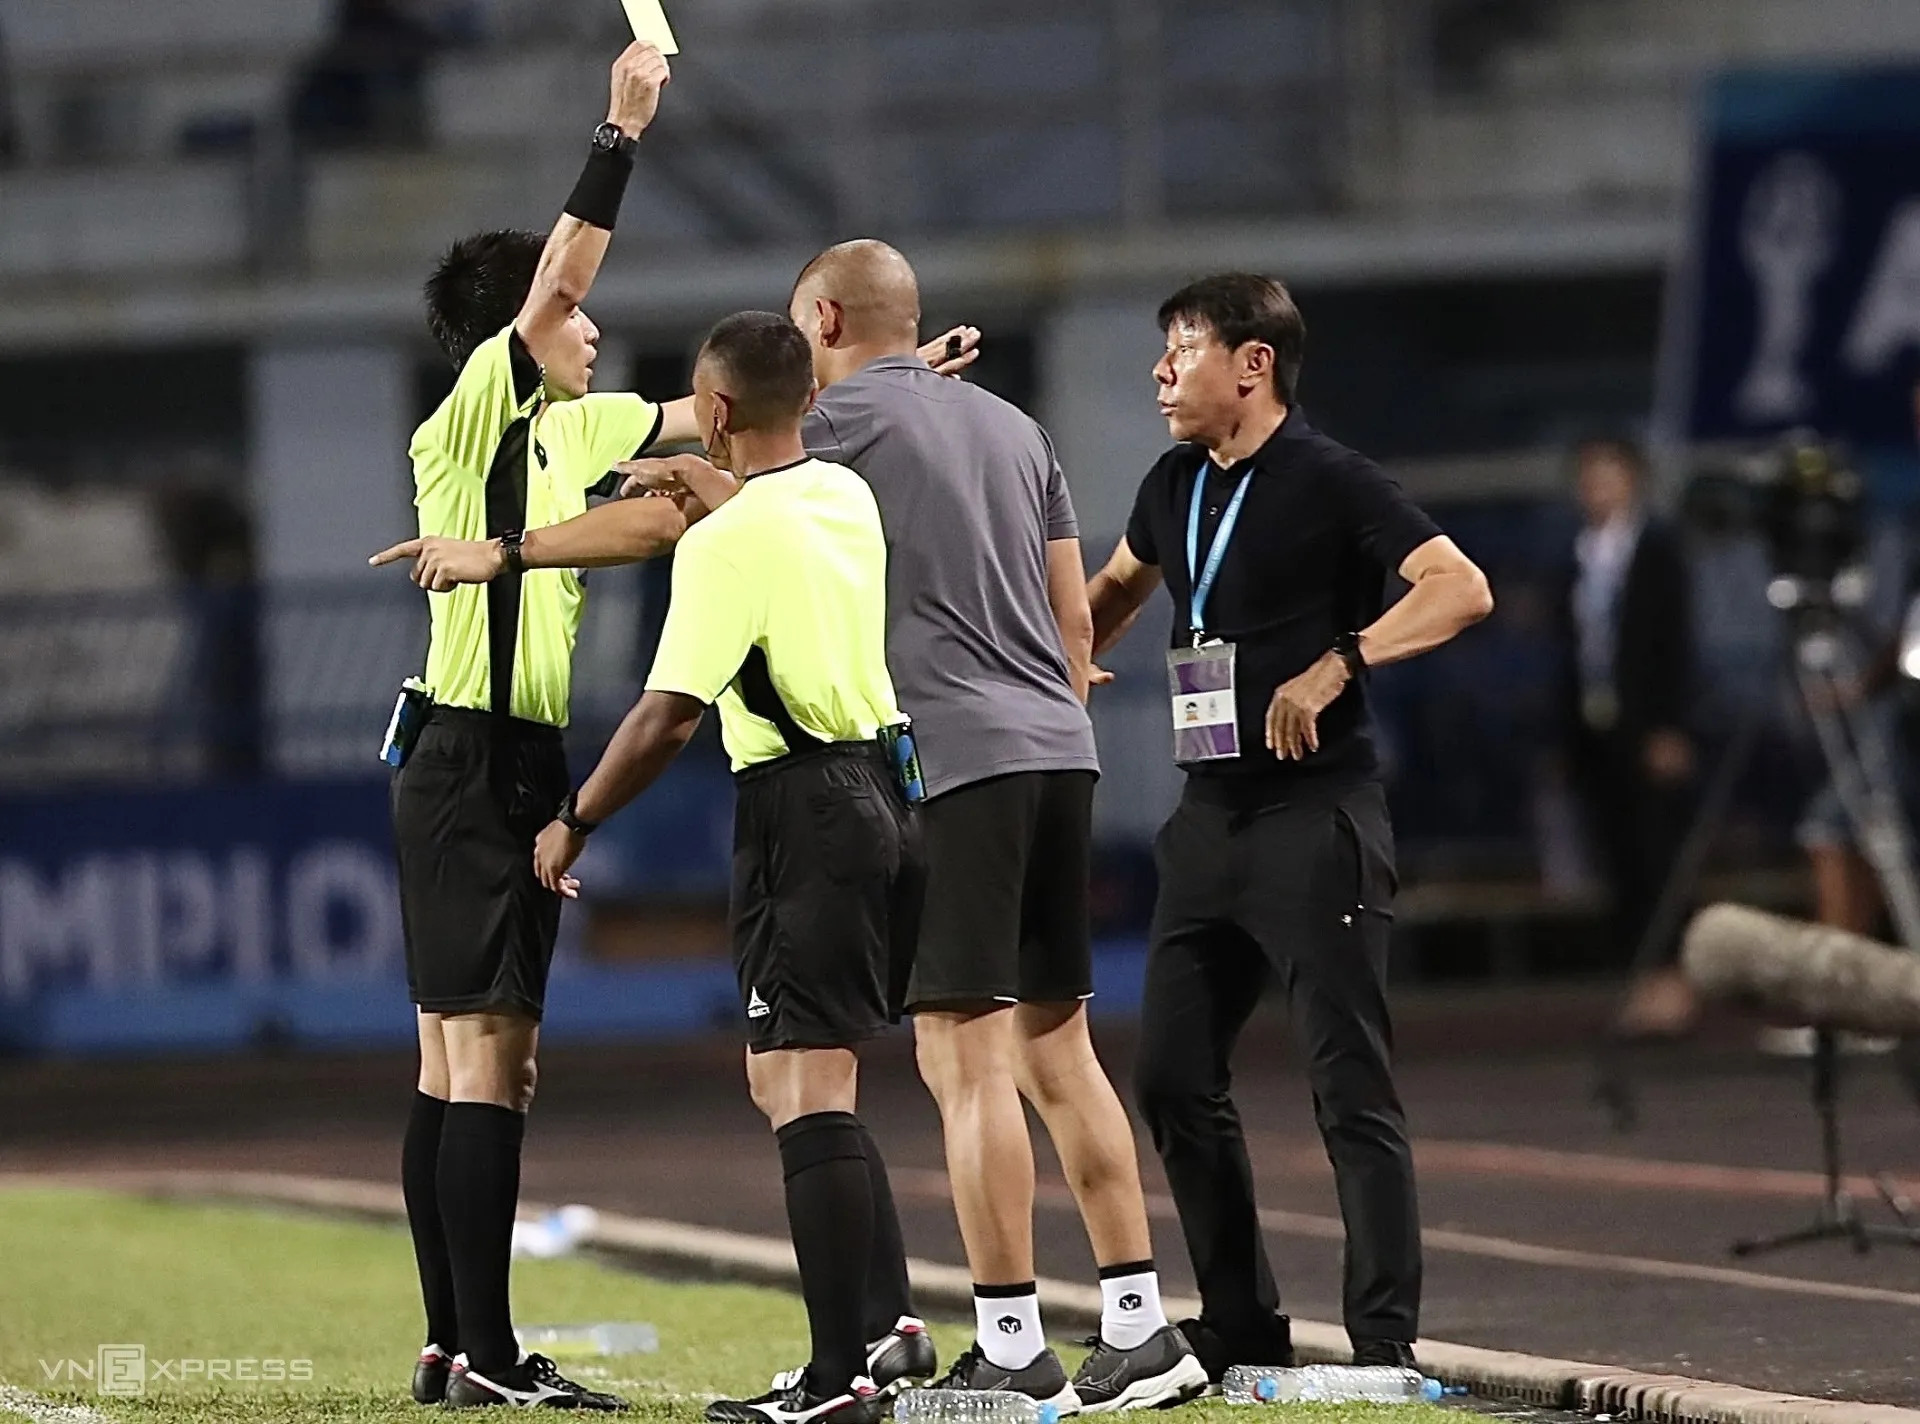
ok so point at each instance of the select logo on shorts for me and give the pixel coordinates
(1009, 1324)
(756, 1006)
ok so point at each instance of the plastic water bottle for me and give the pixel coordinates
(555, 1234)
(1329, 1384)
(609, 1337)
(971, 1406)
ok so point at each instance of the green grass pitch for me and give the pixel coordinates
(190, 1283)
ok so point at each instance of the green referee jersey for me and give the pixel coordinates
(793, 571)
(498, 455)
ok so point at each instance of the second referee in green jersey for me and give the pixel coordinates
(779, 616)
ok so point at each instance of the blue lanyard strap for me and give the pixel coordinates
(1203, 578)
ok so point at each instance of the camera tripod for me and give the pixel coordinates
(1826, 661)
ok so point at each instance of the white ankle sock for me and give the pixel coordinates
(1130, 1309)
(1008, 1325)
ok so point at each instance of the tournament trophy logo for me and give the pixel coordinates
(1787, 239)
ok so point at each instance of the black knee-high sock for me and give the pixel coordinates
(479, 1171)
(830, 1213)
(419, 1175)
(888, 1295)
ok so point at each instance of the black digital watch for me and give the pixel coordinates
(511, 555)
(1347, 648)
(569, 818)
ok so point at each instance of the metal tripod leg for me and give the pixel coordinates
(1839, 1217)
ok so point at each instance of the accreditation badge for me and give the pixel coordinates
(1206, 716)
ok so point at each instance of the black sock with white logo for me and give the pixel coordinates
(479, 1171)
(830, 1215)
(888, 1295)
(1006, 1323)
(419, 1184)
(1130, 1309)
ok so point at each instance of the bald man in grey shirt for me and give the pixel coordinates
(973, 499)
(989, 641)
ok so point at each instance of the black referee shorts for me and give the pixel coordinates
(1007, 913)
(467, 807)
(827, 881)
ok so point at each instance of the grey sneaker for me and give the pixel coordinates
(1043, 1378)
(1158, 1373)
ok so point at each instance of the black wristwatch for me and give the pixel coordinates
(611, 138)
(1347, 648)
(510, 552)
(567, 817)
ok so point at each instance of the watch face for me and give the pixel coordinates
(606, 136)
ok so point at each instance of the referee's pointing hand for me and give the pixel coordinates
(440, 565)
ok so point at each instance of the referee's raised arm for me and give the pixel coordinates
(578, 243)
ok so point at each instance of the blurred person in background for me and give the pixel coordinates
(517, 445)
(1846, 887)
(367, 86)
(1275, 543)
(1626, 706)
(209, 535)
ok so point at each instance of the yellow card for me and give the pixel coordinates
(649, 21)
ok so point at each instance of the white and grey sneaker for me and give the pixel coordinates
(534, 1383)
(792, 1401)
(1043, 1378)
(1158, 1373)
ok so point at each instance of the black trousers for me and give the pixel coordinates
(1637, 825)
(1300, 892)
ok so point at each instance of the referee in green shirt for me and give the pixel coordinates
(778, 614)
(518, 444)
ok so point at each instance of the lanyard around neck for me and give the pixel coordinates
(1203, 578)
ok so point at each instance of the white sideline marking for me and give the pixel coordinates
(42, 1410)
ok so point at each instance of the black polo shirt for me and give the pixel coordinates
(1320, 530)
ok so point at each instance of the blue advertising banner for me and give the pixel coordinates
(217, 918)
(1801, 303)
(218, 915)
(242, 884)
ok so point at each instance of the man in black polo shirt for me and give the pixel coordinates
(1275, 542)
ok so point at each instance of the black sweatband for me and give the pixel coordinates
(603, 183)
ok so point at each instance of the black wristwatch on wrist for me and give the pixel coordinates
(611, 138)
(511, 555)
(569, 818)
(1347, 648)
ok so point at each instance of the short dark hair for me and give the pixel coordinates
(1242, 307)
(479, 287)
(1624, 448)
(769, 365)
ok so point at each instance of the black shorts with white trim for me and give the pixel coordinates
(827, 886)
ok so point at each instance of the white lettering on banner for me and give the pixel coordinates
(1888, 319)
(55, 927)
(116, 919)
(138, 915)
(250, 915)
(322, 883)
(189, 919)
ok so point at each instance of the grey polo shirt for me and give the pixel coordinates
(970, 494)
